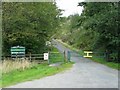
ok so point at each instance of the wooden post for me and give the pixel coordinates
(30, 57)
(16, 56)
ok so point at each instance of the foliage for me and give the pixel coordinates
(104, 21)
(28, 24)
(95, 29)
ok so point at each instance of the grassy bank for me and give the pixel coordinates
(36, 71)
(95, 59)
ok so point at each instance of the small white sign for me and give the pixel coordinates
(46, 56)
(88, 53)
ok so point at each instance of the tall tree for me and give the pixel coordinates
(96, 28)
(29, 24)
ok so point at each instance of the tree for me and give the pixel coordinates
(28, 24)
(95, 29)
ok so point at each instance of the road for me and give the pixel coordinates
(84, 74)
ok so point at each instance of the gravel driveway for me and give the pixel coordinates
(84, 74)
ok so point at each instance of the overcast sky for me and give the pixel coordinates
(70, 6)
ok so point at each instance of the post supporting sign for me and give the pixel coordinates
(88, 53)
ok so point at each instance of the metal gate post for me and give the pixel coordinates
(68, 55)
(107, 55)
(64, 58)
(48, 57)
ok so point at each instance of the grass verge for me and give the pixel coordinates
(95, 59)
(36, 72)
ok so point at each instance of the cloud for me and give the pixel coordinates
(70, 6)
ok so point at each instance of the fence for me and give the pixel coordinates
(51, 57)
(31, 57)
(86, 54)
(55, 57)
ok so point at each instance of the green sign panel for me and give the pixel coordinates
(18, 51)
